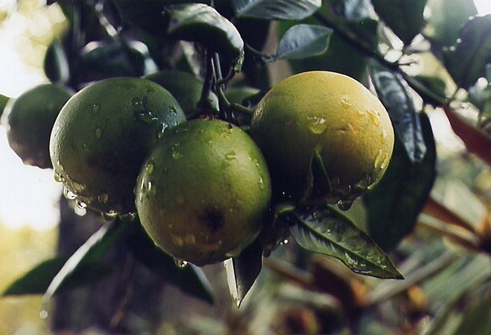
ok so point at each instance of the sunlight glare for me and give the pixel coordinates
(483, 6)
(29, 195)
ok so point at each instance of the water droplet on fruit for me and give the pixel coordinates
(96, 107)
(163, 127)
(379, 159)
(384, 136)
(136, 102)
(172, 109)
(98, 132)
(231, 155)
(180, 263)
(317, 125)
(344, 205)
(150, 188)
(80, 211)
(374, 116)
(149, 167)
(81, 204)
(59, 178)
(176, 155)
(68, 194)
(361, 113)
(43, 314)
(261, 183)
(145, 116)
(109, 216)
(345, 101)
(103, 198)
(77, 187)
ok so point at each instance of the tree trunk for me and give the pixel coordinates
(124, 302)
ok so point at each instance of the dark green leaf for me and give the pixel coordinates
(433, 83)
(445, 18)
(56, 63)
(243, 271)
(395, 203)
(404, 17)
(38, 279)
(190, 279)
(395, 94)
(466, 61)
(276, 9)
(352, 20)
(304, 40)
(101, 60)
(326, 231)
(476, 320)
(91, 251)
(203, 24)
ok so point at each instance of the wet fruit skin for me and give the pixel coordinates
(102, 136)
(29, 120)
(203, 192)
(329, 114)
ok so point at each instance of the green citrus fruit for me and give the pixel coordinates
(102, 136)
(29, 120)
(323, 121)
(203, 192)
(185, 87)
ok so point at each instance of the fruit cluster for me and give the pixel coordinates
(203, 187)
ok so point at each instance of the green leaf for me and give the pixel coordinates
(476, 320)
(243, 271)
(190, 279)
(445, 18)
(38, 279)
(404, 17)
(304, 40)
(395, 203)
(466, 61)
(203, 24)
(55, 64)
(91, 251)
(276, 9)
(326, 231)
(396, 96)
(433, 83)
(115, 59)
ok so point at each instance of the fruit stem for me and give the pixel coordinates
(263, 57)
(232, 106)
(220, 87)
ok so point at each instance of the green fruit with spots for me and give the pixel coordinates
(203, 193)
(102, 136)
